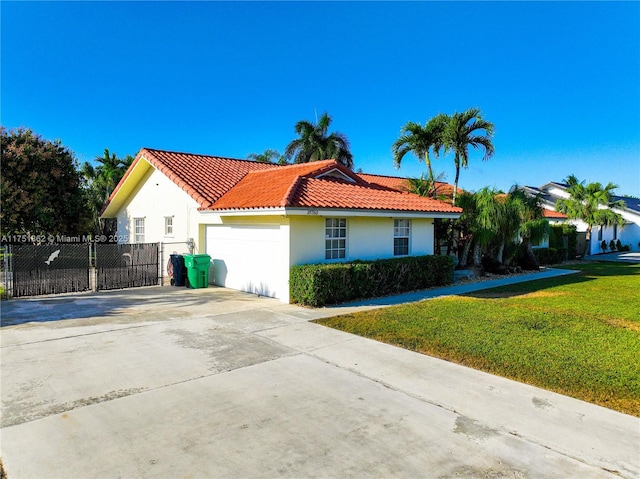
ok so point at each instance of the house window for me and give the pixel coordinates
(168, 225)
(615, 231)
(138, 229)
(401, 235)
(335, 235)
(600, 233)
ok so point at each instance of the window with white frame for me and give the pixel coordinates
(138, 229)
(168, 225)
(401, 235)
(615, 231)
(600, 233)
(335, 235)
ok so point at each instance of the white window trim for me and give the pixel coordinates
(167, 226)
(397, 236)
(336, 238)
(136, 235)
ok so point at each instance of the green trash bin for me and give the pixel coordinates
(197, 270)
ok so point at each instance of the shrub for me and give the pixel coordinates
(321, 284)
(625, 247)
(549, 255)
(612, 245)
(603, 246)
(564, 236)
(618, 245)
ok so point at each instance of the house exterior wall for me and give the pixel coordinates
(153, 199)
(367, 238)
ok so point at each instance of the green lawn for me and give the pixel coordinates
(578, 335)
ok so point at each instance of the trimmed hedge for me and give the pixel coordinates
(322, 284)
(549, 255)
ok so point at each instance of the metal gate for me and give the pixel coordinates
(49, 269)
(126, 265)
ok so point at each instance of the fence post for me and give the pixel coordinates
(161, 262)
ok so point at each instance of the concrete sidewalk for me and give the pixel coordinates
(622, 257)
(207, 383)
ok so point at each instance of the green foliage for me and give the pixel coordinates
(99, 183)
(41, 187)
(550, 255)
(322, 284)
(269, 156)
(315, 143)
(420, 140)
(578, 335)
(564, 236)
(586, 203)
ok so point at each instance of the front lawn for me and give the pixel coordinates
(578, 335)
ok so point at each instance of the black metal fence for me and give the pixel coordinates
(33, 270)
(126, 265)
(49, 269)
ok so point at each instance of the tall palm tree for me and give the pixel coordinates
(315, 143)
(592, 204)
(462, 131)
(420, 140)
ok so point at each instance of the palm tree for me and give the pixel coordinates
(592, 204)
(101, 180)
(533, 225)
(461, 132)
(314, 143)
(420, 140)
(428, 187)
(269, 156)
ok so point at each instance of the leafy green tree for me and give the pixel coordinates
(533, 228)
(269, 156)
(40, 187)
(420, 141)
(99, 182)
(590, 203)
(316, 143)
(464, 130)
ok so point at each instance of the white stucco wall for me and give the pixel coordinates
(367, 238)
(154, 198)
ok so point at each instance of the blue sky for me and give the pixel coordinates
(560, 80)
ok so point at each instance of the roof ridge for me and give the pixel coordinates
(244, 160)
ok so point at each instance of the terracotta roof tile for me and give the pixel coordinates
(219, 183)
(305, 186)
(205, 178)
(402, 184)
(554, 214)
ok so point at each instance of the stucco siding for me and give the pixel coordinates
(153, 199)
(367, 238)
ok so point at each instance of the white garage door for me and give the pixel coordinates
(245, 257)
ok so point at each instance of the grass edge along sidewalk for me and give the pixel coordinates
(578, 335)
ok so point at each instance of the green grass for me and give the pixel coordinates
(578, 335)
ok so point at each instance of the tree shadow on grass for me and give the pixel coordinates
(529, 287)
(586, 272)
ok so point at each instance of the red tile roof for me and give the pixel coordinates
(218, 183)
(554, 214)
(402, 184)
(205, 178)
(309, 186)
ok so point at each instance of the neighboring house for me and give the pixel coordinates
(256, 220)
(629, 234)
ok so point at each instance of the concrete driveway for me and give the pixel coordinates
(213, 383)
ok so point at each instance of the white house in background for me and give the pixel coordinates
(629, 234)
(256, 220)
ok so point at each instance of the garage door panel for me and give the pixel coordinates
(245, 257)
